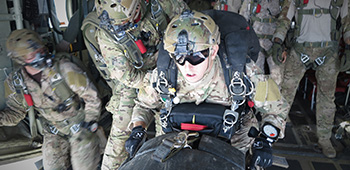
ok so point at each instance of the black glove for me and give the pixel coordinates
(137, 138)
(276, 51)
(345, 60)
(262, 153)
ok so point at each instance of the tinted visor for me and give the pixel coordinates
(193, 58)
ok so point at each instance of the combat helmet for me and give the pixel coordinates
(118, 11)
(190, 32)
(22, 42)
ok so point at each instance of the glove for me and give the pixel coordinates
(276, 51)
(345, 60)
(137, 138)
(262, 153)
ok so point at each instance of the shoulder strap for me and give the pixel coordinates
(133, 48)
(62, 90)
(21, 88)
(237, 42)
(158, 15)
(89, 27)
(167, 74)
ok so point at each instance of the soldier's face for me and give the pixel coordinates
(35, 61)
(194, 73)
(32, 56)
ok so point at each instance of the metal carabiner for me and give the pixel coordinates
(237, 81)
(228, 124)
(75, 128)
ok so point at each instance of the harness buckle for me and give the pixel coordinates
(53, 129)
(304, 58)
(17, 80)
(75, 128)
(119, 35)
(320, 60)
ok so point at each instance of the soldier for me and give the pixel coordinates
(129, 34)
(64, 98)
(316, 47)
(262, 15)
(192, 40)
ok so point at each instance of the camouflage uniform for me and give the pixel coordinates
(81, 149)
(129, 78)
(212, 89)
(232, 5)
(264, 24)
(315, 40)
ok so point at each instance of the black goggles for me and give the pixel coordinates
(193, 58)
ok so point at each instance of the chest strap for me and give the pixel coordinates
(263, 20)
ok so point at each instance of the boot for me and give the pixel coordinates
(327, 148)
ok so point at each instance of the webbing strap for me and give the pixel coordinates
(314, 11)
(317, 44)
(22, 89)
(263, 20)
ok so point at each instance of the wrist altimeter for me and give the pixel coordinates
(270, 132)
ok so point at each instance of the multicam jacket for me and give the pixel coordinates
(116, 60)
(45, 99)
(212, 89)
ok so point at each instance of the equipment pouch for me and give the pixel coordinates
(205, 118)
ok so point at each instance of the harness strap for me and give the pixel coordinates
(21, 88)
(305, 59)
(314, 11)
(158, 15)
(317, 44)
(74, 123)
(91, 24)
(263, 20)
